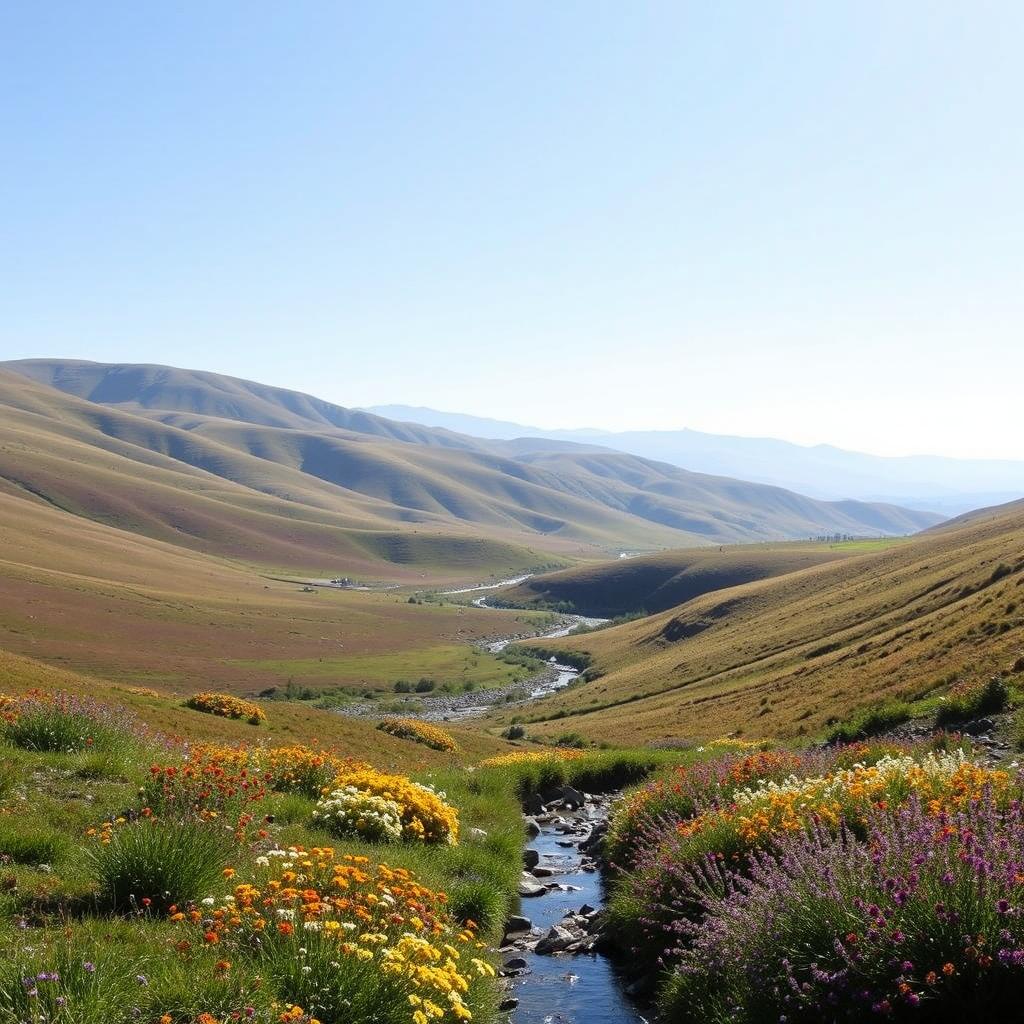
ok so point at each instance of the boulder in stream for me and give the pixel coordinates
(557, 939)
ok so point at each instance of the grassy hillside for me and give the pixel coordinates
(551, 496)
(653, 583)
(287, 722)
(101, 600)
(780, 657)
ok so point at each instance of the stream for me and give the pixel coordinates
(578, 984)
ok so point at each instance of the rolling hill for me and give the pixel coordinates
(652, 583)
(280, 479)
(782, 656)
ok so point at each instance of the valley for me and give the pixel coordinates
(448, 630)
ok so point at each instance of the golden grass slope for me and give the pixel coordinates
(779, 657)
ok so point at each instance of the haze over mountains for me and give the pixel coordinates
(945, 485)
(282, 479)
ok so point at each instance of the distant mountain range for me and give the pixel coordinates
(283, 480)
(944, 485)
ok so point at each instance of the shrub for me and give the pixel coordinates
(432, 736)
(870, 722)
(352, 812)
(968, 700)
(388, 952)
(426, 817)
(572, 739)
(656, 896)
(514, 732)
(155, 864)
(64, 723)
(425, 685)
(300, 769)
(227, 706)
(913, 923)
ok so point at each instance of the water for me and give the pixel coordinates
(568, 989)
(489, 586)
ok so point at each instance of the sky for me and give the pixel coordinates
(799, 220)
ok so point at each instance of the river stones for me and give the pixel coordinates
(540, 871)
(528, 887)
(533, 804)
(557, 939)
(517, 923)
(531, 858)
(532, 828)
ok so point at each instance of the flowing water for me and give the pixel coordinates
(566, 988)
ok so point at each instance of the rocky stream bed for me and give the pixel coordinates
(556, 969)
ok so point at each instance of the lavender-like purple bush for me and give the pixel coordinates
(921, 920)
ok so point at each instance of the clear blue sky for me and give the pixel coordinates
(802, 220)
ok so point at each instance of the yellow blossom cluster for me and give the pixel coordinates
(420, 732)
(227, 706)
(318, 907)
(425, 814)
(531, 757)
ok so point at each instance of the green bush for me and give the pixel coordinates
(969, 700)
(64, 727)
(166, 863)
(870, 722)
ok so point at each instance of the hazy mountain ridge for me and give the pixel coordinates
(937, 483)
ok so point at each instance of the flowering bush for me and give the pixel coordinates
(425, 815)
(8, 708)
(66, 723)
(659, 898)
(346, 939)
(922, 919)
(521, 757)
(300, 769)
(211, 782)
(228, 782)
(679, 794)
(420, 732)
(352, 812)
(226, 706)
(143, 691)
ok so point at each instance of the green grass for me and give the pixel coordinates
(870, 721)
(166, 862)
(456, 664)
